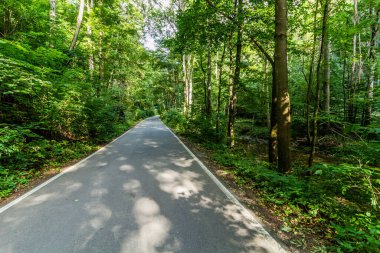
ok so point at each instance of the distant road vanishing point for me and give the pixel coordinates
(145, 192)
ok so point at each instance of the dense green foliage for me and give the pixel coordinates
(59, 104)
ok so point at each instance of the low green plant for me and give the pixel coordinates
(342, 199)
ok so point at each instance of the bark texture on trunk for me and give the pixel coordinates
(281, 79)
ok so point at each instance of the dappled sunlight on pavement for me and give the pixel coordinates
(179, 185)
(143, 193)
(153, 228)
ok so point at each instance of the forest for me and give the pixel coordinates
(284, 95)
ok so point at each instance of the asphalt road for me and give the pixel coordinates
(143, 193)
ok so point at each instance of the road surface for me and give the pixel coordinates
(143, 193)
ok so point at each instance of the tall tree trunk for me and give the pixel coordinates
(236, 79)
(273, 131)
(79, 24)
(317, 89)
(344, 89)
(186, 85)
(100, 65)
(281, 76)
(4, 33)
(311, 75)
(353, 74)
(266, 91)
(220, 77)
(204, 83)
(53, 8)
(230, 85)
(209, 83)
(190, 63)
(52, 16)
(326, 75)
(91, 63)
(371, 67)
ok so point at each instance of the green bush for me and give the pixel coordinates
(15, 151)
(175, 119)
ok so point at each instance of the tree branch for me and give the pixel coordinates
(262, 50)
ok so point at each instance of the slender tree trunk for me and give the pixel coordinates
(353, 74)
(344, 89)
(52, 16)
(266, 90)
(236, 78)
(100, 65)
(186, 85)
(281, 76)
(190, 62)
(53, 7)
(91, 64)
(4, 33)
(317, 89)
(230, 85)
(220, 77)
(326, 75)
(371, 67)
(79, 24)
(209, 83)
(204, 83)
(273, 131)
(236, 81)
(311, 74)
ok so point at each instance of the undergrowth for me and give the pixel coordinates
(24, 154)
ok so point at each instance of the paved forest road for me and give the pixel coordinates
(143, 193)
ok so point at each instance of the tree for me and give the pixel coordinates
(317, 89)
(281, 85)
(78, 25)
